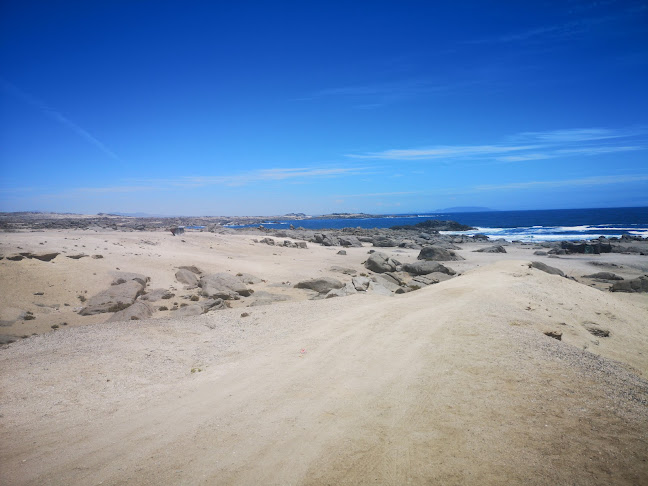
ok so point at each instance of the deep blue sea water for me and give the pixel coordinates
(537, 225)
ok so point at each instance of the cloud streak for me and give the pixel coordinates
(58, 117)
(526, 146)
(585, 181)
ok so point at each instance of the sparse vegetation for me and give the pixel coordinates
(163, 308)
(196, 370)
(194, 298)
(82, 298)
(54, 326)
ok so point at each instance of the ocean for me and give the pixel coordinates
(536, 225)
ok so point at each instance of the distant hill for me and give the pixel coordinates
(464, 209)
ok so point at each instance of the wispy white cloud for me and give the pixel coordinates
(276, 174)
(233, 180)
(579, 134)
(380, 194)
(443, 151)
(527, 146)
(58, 117)
(585, 181)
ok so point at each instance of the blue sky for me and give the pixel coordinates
(260, 108)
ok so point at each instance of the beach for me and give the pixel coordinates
(457, 382)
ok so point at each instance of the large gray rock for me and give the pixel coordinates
(604, 276)
(492, 249)
(266, 298)
(547, 269)
(113, 299)
(137, 311)
(361, 284)
(187, 277)
(421, 281)
(424, 267)
(387, 281)
(348, 289)
(154, 295)
(380, 263)
(320, 285)
(350, 240)
(44, 257)
(223, 286)
(437, 254)
(384, 242)
(326, 239)
(635, 285)
(249, 279)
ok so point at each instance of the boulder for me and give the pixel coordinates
(342, 252)
(387, 281)
(604, 276)
(320, 285)
(187, 278)
(121, 277)
(540, 253)
(268, 241)
(435, 253)
(361, 284)
(348, 289)
(350, 240)
(223, 286)
(421, 281)
(492, 249)
(192, 269)
(546, 268)
(44, 257)
(137, 311)
(266, 298)
(326, 239)
(15, 258)
(214, 304)
(77, 257)
(246, 278)
(590, 247)
(154, 295)
(635, 285)
(114, 299)
(423, 267)
(384, 242)
(380, 263)
(377, 288)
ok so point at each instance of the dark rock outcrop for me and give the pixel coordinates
(379, 263)
(223, 286)
(115, 298)
(320, 285)
(492, 249)
(604, 276)
(424, 267)
(635, 285)
(435, 253)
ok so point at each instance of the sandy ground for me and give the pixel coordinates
(453, 384)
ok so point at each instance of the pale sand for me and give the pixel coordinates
(452, 384)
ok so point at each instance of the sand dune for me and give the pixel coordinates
(455, 383)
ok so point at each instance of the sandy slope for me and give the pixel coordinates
(452, 384)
